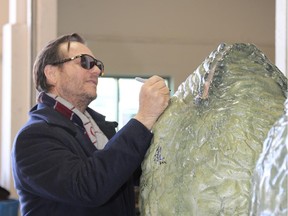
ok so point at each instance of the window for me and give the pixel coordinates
(118, 98)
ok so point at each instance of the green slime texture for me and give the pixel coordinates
(207, 142)
(271, 173)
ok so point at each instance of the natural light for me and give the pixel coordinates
(118, 98)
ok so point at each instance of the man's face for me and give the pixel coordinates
(75, 83)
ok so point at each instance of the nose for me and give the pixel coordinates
(97, 70)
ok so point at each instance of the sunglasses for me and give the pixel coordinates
(87, 62)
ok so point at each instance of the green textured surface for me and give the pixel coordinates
(271, 174)
(207, 142)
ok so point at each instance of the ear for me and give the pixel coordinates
(50, 72)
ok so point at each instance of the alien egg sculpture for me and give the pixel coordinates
(270, 181)
(207, 142)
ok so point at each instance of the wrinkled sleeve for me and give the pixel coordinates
(46, 163)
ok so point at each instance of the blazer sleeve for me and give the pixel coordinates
(47, 161)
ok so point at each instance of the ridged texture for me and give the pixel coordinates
(271, 174)
(208, 140)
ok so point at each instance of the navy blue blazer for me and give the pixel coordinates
(58, 171)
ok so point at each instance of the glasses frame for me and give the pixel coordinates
(97, 62)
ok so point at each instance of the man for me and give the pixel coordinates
(67, 160)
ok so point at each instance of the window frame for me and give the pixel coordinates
(118, 93)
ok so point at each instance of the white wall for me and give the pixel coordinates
(15, 85)
(16, 67)
(281, 36)
(3, 20)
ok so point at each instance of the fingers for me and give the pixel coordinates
(153, 100)
(157, 83)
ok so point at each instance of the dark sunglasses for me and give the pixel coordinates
(87, 62)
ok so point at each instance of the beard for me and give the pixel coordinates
(85, 99)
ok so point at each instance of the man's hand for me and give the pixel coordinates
(153, 100)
